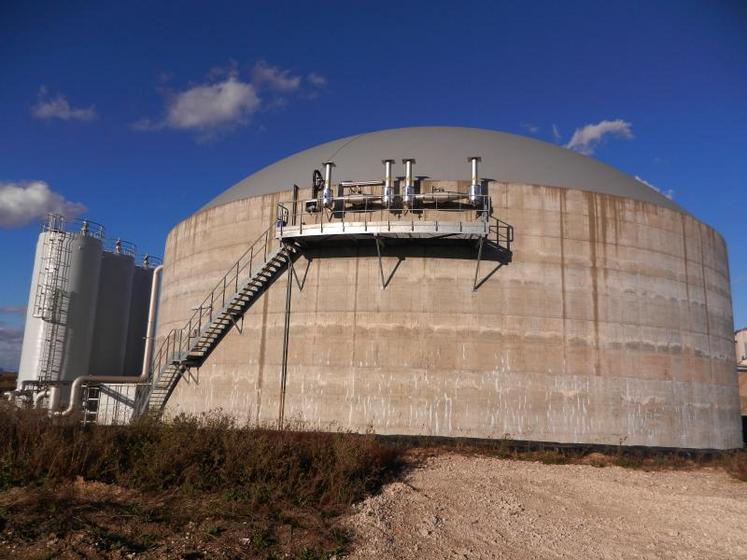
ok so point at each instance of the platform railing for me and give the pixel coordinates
(175, 346)
(366, 209)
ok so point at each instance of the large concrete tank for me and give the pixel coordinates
(112, 314)
(612, 325)
(138, 321)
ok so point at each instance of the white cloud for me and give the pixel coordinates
(48, 107)
(317, 80)
(669, 193)
(274, 78)
(224, 101)
(529, 127)
(20, 203)
(208, 106)
(586, 139)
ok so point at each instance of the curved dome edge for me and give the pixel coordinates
(441, 153)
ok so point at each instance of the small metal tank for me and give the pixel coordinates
(138, 322)
(112, 311)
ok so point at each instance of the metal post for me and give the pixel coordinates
(286, 337)
(477, 268)
(381, 265)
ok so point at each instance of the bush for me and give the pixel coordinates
(208, 467)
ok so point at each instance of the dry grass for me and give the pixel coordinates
(733, 462)
(205, 487)
(216, 488)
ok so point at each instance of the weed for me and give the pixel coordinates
(110, 482)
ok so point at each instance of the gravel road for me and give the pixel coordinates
(456, 506)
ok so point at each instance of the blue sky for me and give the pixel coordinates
(143, 111)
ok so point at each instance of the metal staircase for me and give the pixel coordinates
(51, 299)
(223, 309)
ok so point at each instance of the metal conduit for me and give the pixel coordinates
(77, 387)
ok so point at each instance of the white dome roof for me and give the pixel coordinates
(441, 153)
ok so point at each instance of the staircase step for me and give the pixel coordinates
(205, 341)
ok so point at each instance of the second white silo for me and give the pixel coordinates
(112, 314)
(82, 287)
(136, 330)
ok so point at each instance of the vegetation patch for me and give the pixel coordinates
(195, 487)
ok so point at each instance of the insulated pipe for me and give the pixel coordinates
(327, 192)
(408, 197)
(475, 189)
(39, 396)
(388, 197)
(77, 386)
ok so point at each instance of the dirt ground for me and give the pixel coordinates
(457, 506)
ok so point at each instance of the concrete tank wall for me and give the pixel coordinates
(613, 325)
(112, 315)
(138, 320)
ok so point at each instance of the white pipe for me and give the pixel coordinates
(327, 192)
(77, 386)
(150, 330)
(388, 187)
(39, 396)
(409, 193)
(475, 189)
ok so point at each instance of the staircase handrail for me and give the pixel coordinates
(177, 341)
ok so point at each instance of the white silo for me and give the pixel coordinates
(136, 329)
(57, 339)
(112, 311)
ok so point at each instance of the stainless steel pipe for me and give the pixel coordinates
(408, 194)
(475, 188)
(327, 194)
(388, 198)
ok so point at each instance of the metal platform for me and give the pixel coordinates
(274, 252)
(399, 229)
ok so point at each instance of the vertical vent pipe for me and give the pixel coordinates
(327, 192)
(475, 188)
(408, 196)
(388, 197)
